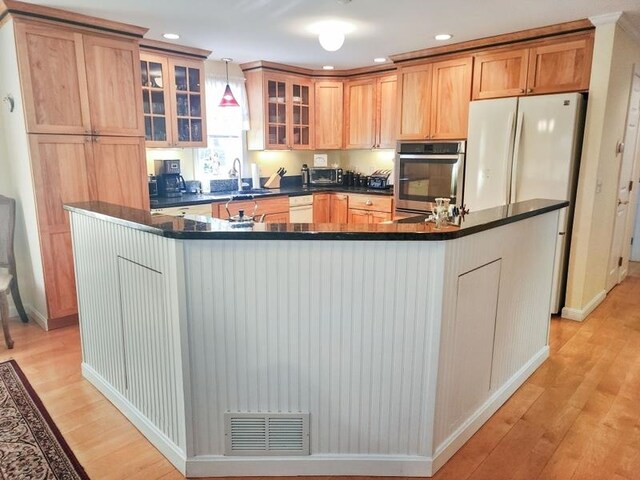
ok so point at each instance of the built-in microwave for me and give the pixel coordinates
(325, 176)
(428, 170)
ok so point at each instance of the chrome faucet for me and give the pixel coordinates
(238, 172)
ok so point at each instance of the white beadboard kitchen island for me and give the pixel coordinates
(312, 349)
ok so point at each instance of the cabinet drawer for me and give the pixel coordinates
(371, 202)
(265, 206)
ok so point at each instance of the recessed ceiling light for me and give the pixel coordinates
(328, 67)
(444, 36)
(171, 36)
(380, 60)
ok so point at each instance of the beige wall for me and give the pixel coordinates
(363, 161)
(16, 181)
(615, 53)
(185, 155)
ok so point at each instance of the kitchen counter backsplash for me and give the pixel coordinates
(228, 184)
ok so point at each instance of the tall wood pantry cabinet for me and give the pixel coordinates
(85, 129)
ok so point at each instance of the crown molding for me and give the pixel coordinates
(630, 28)
(605, 19)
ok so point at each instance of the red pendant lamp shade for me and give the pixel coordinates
(228, 100)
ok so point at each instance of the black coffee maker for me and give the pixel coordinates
(170, 182)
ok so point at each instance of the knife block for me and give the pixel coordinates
(273, 182)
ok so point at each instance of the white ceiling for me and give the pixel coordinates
(277, 30)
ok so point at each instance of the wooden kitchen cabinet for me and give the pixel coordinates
(75, 168)
(370, 107)
(434, 100)
(275, 209)
(360, 122)
(369, 208)
(500, 74)
(118, 165)
(61, 174)
(322, 207)
(71, 80)
(282, 111)
(560, 66)
(451, 92)
(339, 208)
(549, 66)
(173, 99)
(414, 102)
(329, 114)
(330, 208)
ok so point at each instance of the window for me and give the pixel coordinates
(225, 126)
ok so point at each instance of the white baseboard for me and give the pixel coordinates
(458, 438)
(170, 450)
(32, 313)
(581, 314)
(322, 465)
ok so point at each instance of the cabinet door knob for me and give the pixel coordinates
(529, 90)
(368, 203)
(522, 90)
(94, 132)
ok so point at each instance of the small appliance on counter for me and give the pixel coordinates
(379, 179)
(305, 175)
(320, 176)
(169, 181)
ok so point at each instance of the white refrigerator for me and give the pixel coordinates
(524, 148)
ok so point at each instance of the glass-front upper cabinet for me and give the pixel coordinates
(188, 91)
(154, 99)
(173, 101)
(301, 123)
(288, 112)
(277, 114)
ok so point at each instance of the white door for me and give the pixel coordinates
(619, 256)
(489, 153)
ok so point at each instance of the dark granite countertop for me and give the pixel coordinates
(412, 228)
(199, 199)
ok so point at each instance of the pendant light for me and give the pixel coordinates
(228, 100)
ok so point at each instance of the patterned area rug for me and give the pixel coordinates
(31, 446)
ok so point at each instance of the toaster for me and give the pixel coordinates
(380, 179)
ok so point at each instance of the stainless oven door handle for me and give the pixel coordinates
(428, 158)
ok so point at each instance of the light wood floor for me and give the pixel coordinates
(577, 417)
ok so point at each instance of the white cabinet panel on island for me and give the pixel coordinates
(397, 350)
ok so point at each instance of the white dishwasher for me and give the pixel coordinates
(301, 209)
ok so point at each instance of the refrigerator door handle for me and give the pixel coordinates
(516, 151)
(508, 154)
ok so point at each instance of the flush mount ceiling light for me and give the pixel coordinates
(380, 60)
(228, 100)
(443, 36)
(171, 36)
(328, 67)
(331, 40)
(331, 34)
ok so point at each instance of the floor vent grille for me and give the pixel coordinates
(266, 433)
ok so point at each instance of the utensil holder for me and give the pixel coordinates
(273, 182)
